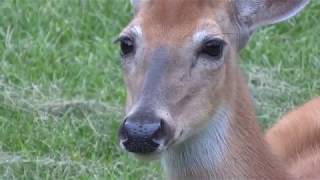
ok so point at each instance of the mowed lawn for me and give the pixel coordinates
(62, 95)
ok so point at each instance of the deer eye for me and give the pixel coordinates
(126, 46)
(212, 48)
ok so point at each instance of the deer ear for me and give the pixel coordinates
(257, 13)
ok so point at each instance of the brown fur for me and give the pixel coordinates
(295, 139)
(165, 20)
(192, 99)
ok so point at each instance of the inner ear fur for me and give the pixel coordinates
(257, 13)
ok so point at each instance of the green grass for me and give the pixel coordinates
(62, 95)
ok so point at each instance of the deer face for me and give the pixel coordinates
(179, 64)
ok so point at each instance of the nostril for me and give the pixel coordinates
(123, 131)
(160, 134)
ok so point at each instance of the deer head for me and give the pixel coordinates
(179, 60)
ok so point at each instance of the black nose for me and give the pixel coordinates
(142, 134)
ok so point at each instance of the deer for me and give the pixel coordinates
(188, 103)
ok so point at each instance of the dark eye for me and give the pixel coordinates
(213, 48)
(126, 46)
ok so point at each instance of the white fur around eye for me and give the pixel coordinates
(199, 36)
(137, 30)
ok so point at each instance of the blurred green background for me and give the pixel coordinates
(62, 95)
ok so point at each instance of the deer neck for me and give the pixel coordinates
(199, 156)
(230, 147)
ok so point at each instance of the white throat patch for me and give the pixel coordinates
(202, 152)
